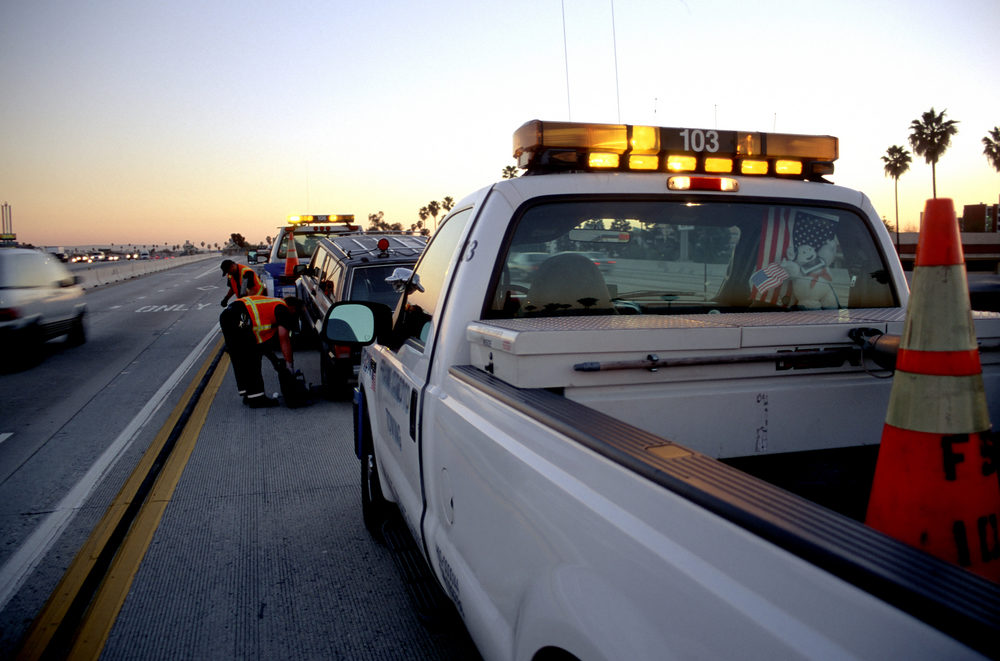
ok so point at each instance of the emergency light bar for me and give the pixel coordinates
(327, 218)
(559, 146)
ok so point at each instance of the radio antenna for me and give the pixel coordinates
(614, 44)
(569, 113)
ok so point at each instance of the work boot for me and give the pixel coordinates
(260, 402)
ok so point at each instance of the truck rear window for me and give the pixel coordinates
(684, 257)
(305, 243)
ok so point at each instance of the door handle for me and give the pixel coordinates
(413, 414)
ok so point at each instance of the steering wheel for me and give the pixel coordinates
(506, 287)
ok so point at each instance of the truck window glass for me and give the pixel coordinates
(330, 276)
(414, 318)
(684, 257)
(305, 244)
(368, 284)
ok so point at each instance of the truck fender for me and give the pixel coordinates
(576, 611)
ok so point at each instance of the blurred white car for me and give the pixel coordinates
(522, 266)
(39, 300)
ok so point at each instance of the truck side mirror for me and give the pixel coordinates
(356, 323)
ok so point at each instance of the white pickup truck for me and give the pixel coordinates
(621, 413)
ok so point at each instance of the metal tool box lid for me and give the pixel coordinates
(542, 351)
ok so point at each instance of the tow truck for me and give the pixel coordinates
(307, 229)
(671, 458)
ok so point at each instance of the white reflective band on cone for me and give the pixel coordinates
(938, 404)
(950, 328)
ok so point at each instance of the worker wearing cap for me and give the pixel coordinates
(251, 327)
(243, 281)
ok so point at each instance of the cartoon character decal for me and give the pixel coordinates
(797, 247)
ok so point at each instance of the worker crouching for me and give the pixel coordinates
(253, 326)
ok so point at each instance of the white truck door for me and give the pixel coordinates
(403, 368)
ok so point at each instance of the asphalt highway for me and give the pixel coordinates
(245, 540)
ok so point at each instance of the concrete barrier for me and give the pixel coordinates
(95, 275)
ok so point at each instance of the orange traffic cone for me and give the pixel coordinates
(291, 256)
(936, 485)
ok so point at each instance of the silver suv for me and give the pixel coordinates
(39, 300)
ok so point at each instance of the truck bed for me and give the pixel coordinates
(953, 600)
(839, 479)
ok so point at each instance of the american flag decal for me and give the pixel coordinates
(770, 284)
(767, 279)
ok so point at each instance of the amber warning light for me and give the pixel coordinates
(321, 218)
(559, 146)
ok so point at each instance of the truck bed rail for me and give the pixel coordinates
(946, 597)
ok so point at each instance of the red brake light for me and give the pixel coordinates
(724, 184)
(699, 183)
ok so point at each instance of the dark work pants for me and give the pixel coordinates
(244, 352)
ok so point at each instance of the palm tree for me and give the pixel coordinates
(897, 161)
(433, 208)
(448, 203)
(930, 137)
(991, 147)
(509, 172)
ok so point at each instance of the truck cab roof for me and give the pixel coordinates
(308, 229)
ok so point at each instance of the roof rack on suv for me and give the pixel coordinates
(357, 244)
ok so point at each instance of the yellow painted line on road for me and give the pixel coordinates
(96, 625)
(104, 610)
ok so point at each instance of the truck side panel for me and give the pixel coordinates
(512, 457)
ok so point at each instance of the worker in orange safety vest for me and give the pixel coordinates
(252, 326)
(243, 281)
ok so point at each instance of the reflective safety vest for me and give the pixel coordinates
(261, 310)
(255, 288)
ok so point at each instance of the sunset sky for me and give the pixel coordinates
(134, 121)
